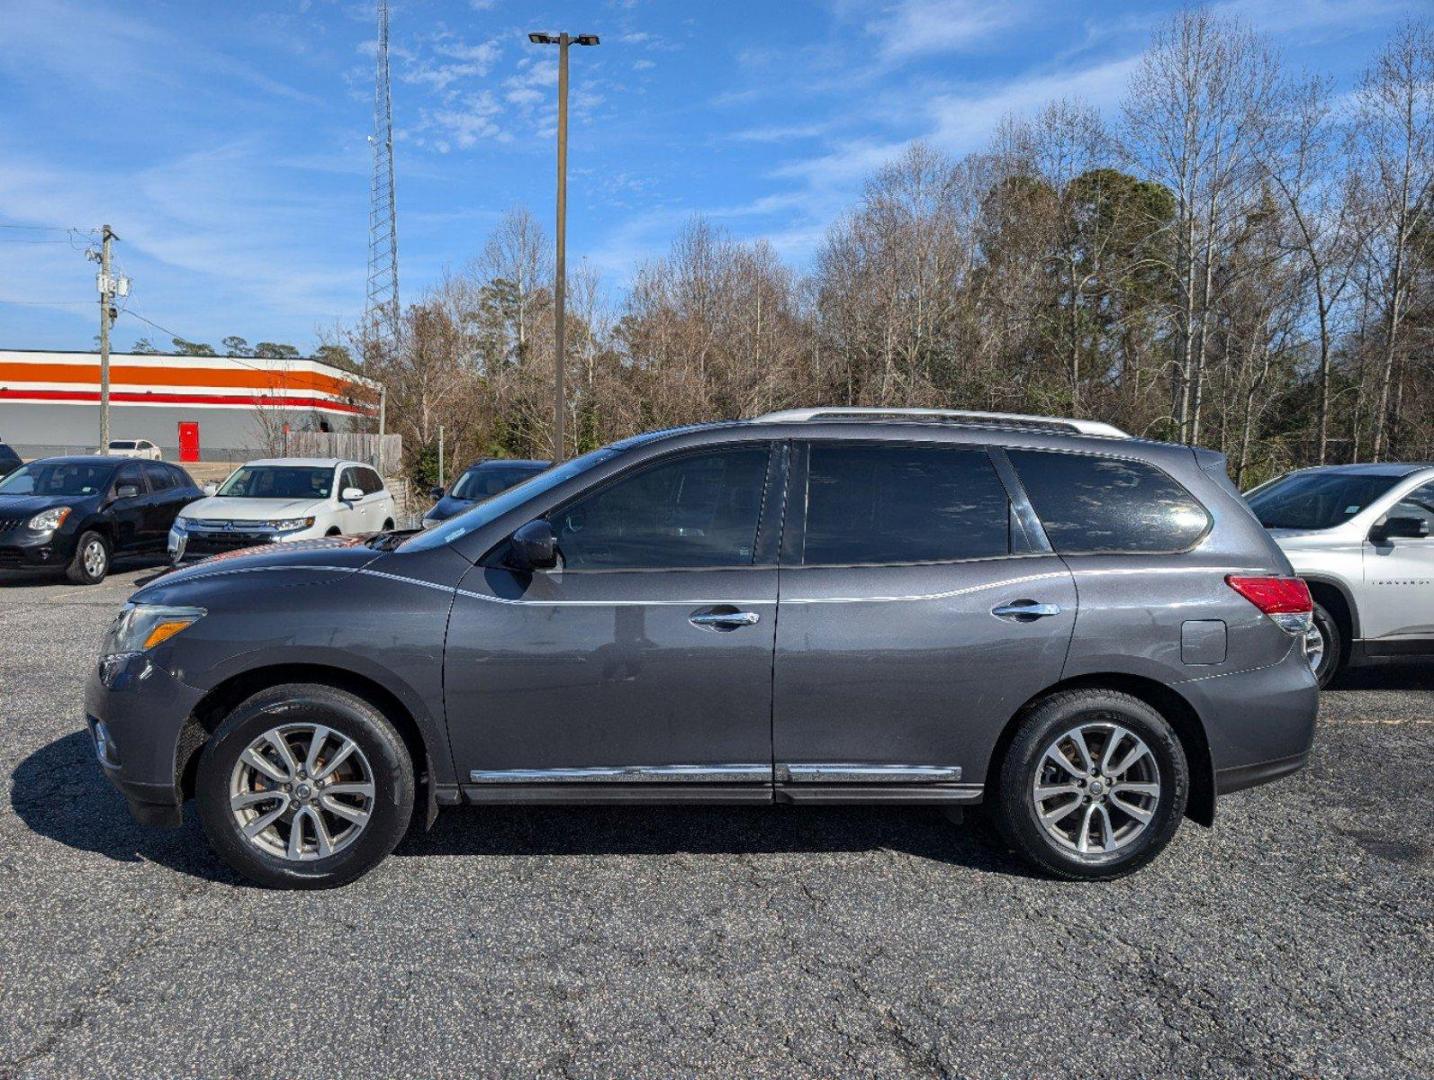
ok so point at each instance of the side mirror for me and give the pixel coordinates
(127, 491)
(351, 494)
(435, 493)
(534, 547)
(1403, 528)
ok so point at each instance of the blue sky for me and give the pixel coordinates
(225, 142)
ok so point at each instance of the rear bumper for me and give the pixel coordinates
(1260, 724)
(1247, 776)
(136, 716)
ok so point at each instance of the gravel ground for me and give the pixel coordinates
(1296, 938)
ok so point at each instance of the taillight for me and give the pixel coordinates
(1286, 600)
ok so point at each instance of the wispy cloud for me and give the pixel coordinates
(911, 28)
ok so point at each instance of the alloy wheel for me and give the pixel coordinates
(93, 557)
(301, 792)
(1097, 788)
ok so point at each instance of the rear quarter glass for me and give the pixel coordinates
(1095, 504)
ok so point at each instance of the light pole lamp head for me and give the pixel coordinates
(586, 39)
(539, 38)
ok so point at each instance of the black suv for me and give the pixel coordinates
(77, 513)
(1088, 633)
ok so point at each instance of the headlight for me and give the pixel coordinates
(287, 524)
(139, 627)
(50, 520)
(181, 524)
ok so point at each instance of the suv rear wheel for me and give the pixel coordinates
(1093, 786)
(1325, 646)
(305, 786)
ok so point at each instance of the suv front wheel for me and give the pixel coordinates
(1093, 786)
(305, 786)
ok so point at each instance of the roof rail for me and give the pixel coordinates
(955, 416)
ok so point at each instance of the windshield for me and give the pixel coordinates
(483, 481)
(279, 482)
(1316, 500)
(489, 509)
(57, 478)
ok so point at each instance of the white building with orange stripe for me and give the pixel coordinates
(235, 406)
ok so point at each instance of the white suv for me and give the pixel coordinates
(1362, 536)
(282, 499)
(135, 448)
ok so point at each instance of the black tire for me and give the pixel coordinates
(1014, 810)
(92, 559)
(349, 715)
(1332, 662)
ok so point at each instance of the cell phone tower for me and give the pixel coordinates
(381, 311)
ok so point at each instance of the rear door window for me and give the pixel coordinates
(159, 476)
(889, 503)
(1091, 504)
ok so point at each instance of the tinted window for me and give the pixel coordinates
(1316, 500)
(488, 479)
(159, 477)
(1418, 504)
(903, 504)
(368, 480)
(1093, 504)
(129, 474)
(279, 482)
(57, 478)
(181, 478)
(697, 510)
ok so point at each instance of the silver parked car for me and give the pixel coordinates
(1363, 537)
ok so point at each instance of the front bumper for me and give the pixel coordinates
(201, 543)
(25, 549)
(136, 717)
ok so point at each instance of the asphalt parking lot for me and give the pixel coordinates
(1294, 939)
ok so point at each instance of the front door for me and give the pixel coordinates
(129, 514)
(1400, 576)
(645, 658)
(917, 616)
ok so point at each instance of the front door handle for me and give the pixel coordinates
(724, 620)
(1025, 610)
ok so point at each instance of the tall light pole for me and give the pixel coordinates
(562, 41)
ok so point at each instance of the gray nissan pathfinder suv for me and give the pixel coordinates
(1087, 633)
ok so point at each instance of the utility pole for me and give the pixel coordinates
(107, 292)
(562, 41)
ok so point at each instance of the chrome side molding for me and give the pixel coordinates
(627, 774)
(845, 773)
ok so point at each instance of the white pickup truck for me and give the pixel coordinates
(1362, 536)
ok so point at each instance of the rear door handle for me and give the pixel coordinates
(1025, 610)
(724, 620)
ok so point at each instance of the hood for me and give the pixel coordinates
(29, 505)
(334, 553)
(216, 508)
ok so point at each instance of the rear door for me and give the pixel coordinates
(917, 614)
(646, 658)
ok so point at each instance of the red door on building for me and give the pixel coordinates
(188, 440)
